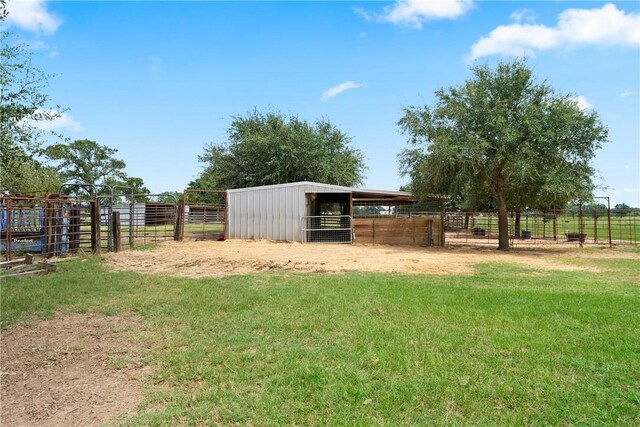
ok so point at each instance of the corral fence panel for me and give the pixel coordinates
(397, 222)
(50, 225)
(573, 226)
(203, 215)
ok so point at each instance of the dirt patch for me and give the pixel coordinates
(77, 370)
(201, 259)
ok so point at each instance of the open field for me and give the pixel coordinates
(326, 335)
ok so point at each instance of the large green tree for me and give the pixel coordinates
(23, 104)
(268, 148)
(502, 136)
(85, 162)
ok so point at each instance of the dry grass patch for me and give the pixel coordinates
(81, 369)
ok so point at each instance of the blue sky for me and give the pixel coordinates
(159, 80)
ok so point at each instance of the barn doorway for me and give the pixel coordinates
(328, 218)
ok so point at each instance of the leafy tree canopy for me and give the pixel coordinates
(622, 206)
(86, 162)
(505, 138)
(23, 103)
(268, 148)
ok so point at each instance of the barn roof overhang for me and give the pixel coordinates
(357, 194)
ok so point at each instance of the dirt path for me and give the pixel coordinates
(201, 259)
(78, 370)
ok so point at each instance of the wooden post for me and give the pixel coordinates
(115, 227)
(9, 218)
(595, 226)
(373, 227)
(95, 227)
(442, 219)
(50, 229)
(177, 228)
(414, 231)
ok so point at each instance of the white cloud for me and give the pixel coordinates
(64, 121)
(415, 12)
(523, 15)
(605, 26)
(32, 15)
(337, 90)
(625, 93)
(39, 45)
(582, 102)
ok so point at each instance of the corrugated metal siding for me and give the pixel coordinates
(273, 212)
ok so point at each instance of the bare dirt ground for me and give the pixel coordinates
(78, 370)
(215, 259)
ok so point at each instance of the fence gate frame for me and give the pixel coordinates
(184, 216)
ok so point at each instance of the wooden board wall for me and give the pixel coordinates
(415, 231)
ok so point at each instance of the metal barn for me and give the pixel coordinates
(307, 212)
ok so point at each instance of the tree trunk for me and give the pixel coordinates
(503, 224)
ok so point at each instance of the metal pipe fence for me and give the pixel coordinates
(588, 226)
(48, 225)
(203, 215)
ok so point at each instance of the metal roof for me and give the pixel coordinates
(316, 187)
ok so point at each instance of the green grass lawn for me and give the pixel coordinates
(503, 347)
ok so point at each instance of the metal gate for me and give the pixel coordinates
(327, 229)
(203, 215)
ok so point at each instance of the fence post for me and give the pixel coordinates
(580, 226)
(50, 229)
(132, 214)
(74, 228)
(9, 209)
(595, 226)
(178, 227)
(442, 220)
(373, 228)
(115, 227)
(609, 220)
(95, 227)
